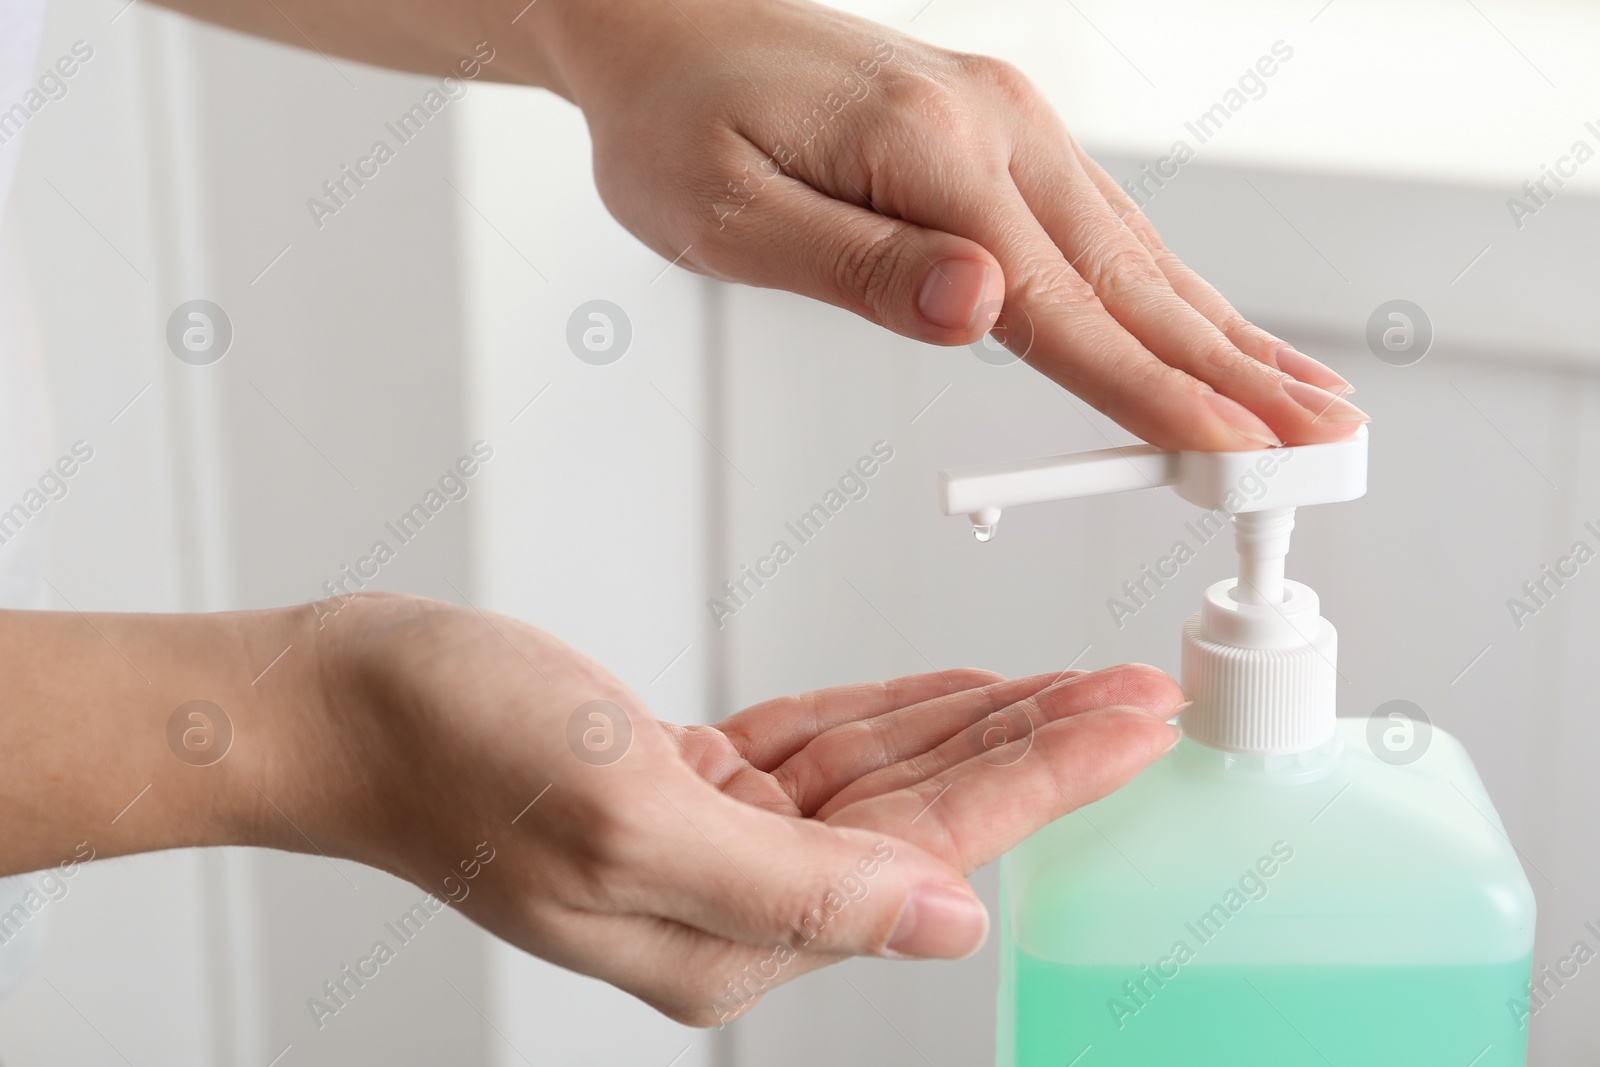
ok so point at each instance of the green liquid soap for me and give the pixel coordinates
(1328, 909)
(1269, 1016)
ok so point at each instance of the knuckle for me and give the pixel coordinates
(937, 107)
(867, 266)
(1138, 680)
(1059, 285)
(799, 778)
(1144, 230)
(1230, 322)
(1216, 358)
(1245, 335)
(1207, 300)
(730, 199)
(1145, 674)
(998, 74)
(1120, 270)
(1146, 377)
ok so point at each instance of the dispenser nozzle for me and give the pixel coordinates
(984, 491)
(984, 521)
(1258, 659)
(1238, 483)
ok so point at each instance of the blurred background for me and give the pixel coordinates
(434, 309)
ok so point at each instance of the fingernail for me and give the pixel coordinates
(1180, 709)
(1323, 405)
(1241, 420)
(1296, 363)
(942, 922)
(1177, 735)
(952, 292)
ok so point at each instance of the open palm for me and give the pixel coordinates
(698, 866)
(962, 763)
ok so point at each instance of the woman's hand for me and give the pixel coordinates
(695, 867)
(785, 144)
(508, 775)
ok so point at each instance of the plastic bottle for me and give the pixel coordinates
(1283, 888)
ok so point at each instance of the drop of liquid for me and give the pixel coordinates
(982, 533)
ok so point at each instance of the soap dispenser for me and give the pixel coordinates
(1282, 888)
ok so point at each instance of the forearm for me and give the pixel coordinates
(434, 37)
(577, 48)
(95, 750)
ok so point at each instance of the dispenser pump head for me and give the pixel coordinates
(1258, 658)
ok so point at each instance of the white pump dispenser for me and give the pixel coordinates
(1258, 658)
(1268, 890)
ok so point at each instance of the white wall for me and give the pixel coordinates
(594, 514)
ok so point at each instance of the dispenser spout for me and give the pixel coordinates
(1234, 482)
(1258, 658)
(985, 490)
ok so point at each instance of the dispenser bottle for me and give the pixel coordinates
(1284, 887)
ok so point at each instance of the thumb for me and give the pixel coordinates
(756, 877)
(925, 284)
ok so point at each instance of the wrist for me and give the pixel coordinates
(573, 39)
(241, 713)
(278, 784)
(344, 747)
(604, 50)
(323, 768)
